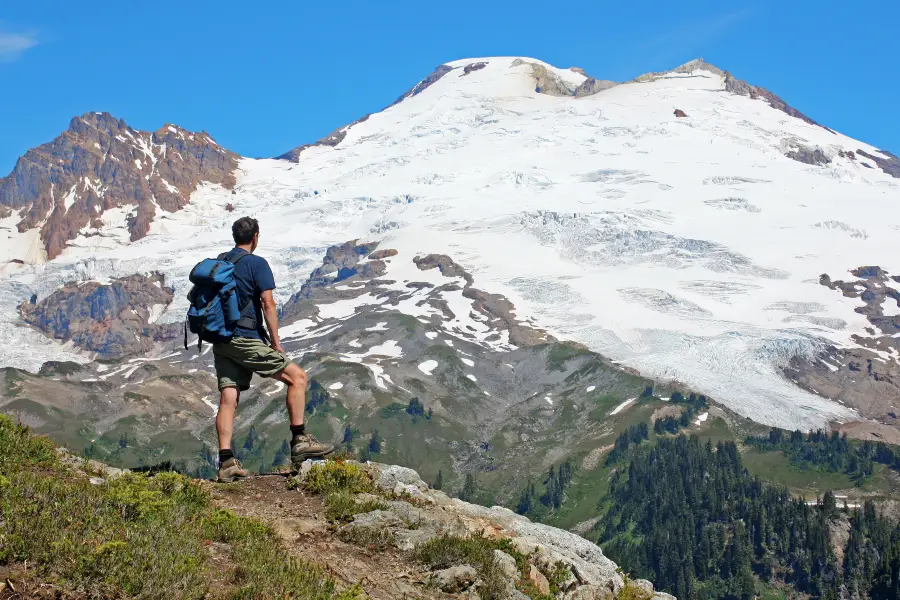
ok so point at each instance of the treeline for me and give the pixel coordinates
(694, 406)
(634, 435)
(687, 516)
(555, 483)
(829, 451)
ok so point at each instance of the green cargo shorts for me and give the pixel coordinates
(238, 360)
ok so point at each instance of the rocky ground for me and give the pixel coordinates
(377, 548)
(864, 376)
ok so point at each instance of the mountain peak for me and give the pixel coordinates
(690, 67)
(64, 188)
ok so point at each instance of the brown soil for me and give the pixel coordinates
(870, 430)
(17, 583)
(299, 519)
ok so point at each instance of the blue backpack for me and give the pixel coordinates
(214, 313)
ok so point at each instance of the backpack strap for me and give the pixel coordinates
(244, 322)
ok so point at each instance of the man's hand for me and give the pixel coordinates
(277, 347)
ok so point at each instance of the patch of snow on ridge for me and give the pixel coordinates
(648, 246)
(428, 366)
(622, 406)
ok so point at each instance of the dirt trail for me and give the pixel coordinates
(298, 517)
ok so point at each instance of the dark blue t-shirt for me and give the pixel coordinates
(253, 276)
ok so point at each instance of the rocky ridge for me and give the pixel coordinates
(68, 187)
(362, 270)
(113, 320)
(865, 377)
(426, 514)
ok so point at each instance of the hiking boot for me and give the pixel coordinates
(232, 470)
(307, 446)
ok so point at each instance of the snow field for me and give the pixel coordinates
(657, 241)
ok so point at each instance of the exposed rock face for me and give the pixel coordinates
(742, 88)
(100, 163)
(432, 513)
(546, 82)
(114, 320)
(679, 113)
(888, 162)
(592, 86)
(498, 310)
(361, 269)
(341, 263)
(423, 85)
(444, 264)
(473, 67)
(865, 377)
(687, 68)
(810, 156)
(332, 139)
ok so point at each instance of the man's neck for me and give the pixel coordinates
(247, 247)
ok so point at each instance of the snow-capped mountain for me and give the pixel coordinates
(678, 224)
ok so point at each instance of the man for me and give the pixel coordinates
(247, 353)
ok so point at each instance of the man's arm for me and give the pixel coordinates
(271, 315)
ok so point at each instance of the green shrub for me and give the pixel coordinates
(478, 551)
(391, 410)
(374, 539)
(333, 476)
(341, 506)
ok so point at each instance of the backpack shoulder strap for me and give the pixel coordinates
(234, 260)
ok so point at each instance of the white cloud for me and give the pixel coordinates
(12, 45)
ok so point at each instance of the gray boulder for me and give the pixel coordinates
(455, 579)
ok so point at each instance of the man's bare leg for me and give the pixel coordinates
(294, 378)
(228, 402)
(303, 445)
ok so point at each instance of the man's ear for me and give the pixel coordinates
(255, 240)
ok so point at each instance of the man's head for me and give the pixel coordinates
(246, 231)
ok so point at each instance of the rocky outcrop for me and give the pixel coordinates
(331, 140)
(112, 320)
(499, 311)
(889, 163)
(742, 88)
(352, 261)
(679, 113)
(866, 375)
(414, 514)
(446, 265)
(687, 68)
(423, 85)
(473, 67)
(809, 156)
(546, 81)
(592, 86)
(65, 187)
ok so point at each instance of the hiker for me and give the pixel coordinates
(254, 350)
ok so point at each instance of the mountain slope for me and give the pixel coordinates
(687, 247)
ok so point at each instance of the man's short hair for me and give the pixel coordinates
(244, 229)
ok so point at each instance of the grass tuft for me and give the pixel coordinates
(341, 506)
(478, 551)
(335, 476)
(374, 539)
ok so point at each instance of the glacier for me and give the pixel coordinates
(678, 246)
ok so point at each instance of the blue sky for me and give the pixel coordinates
(265, 77)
